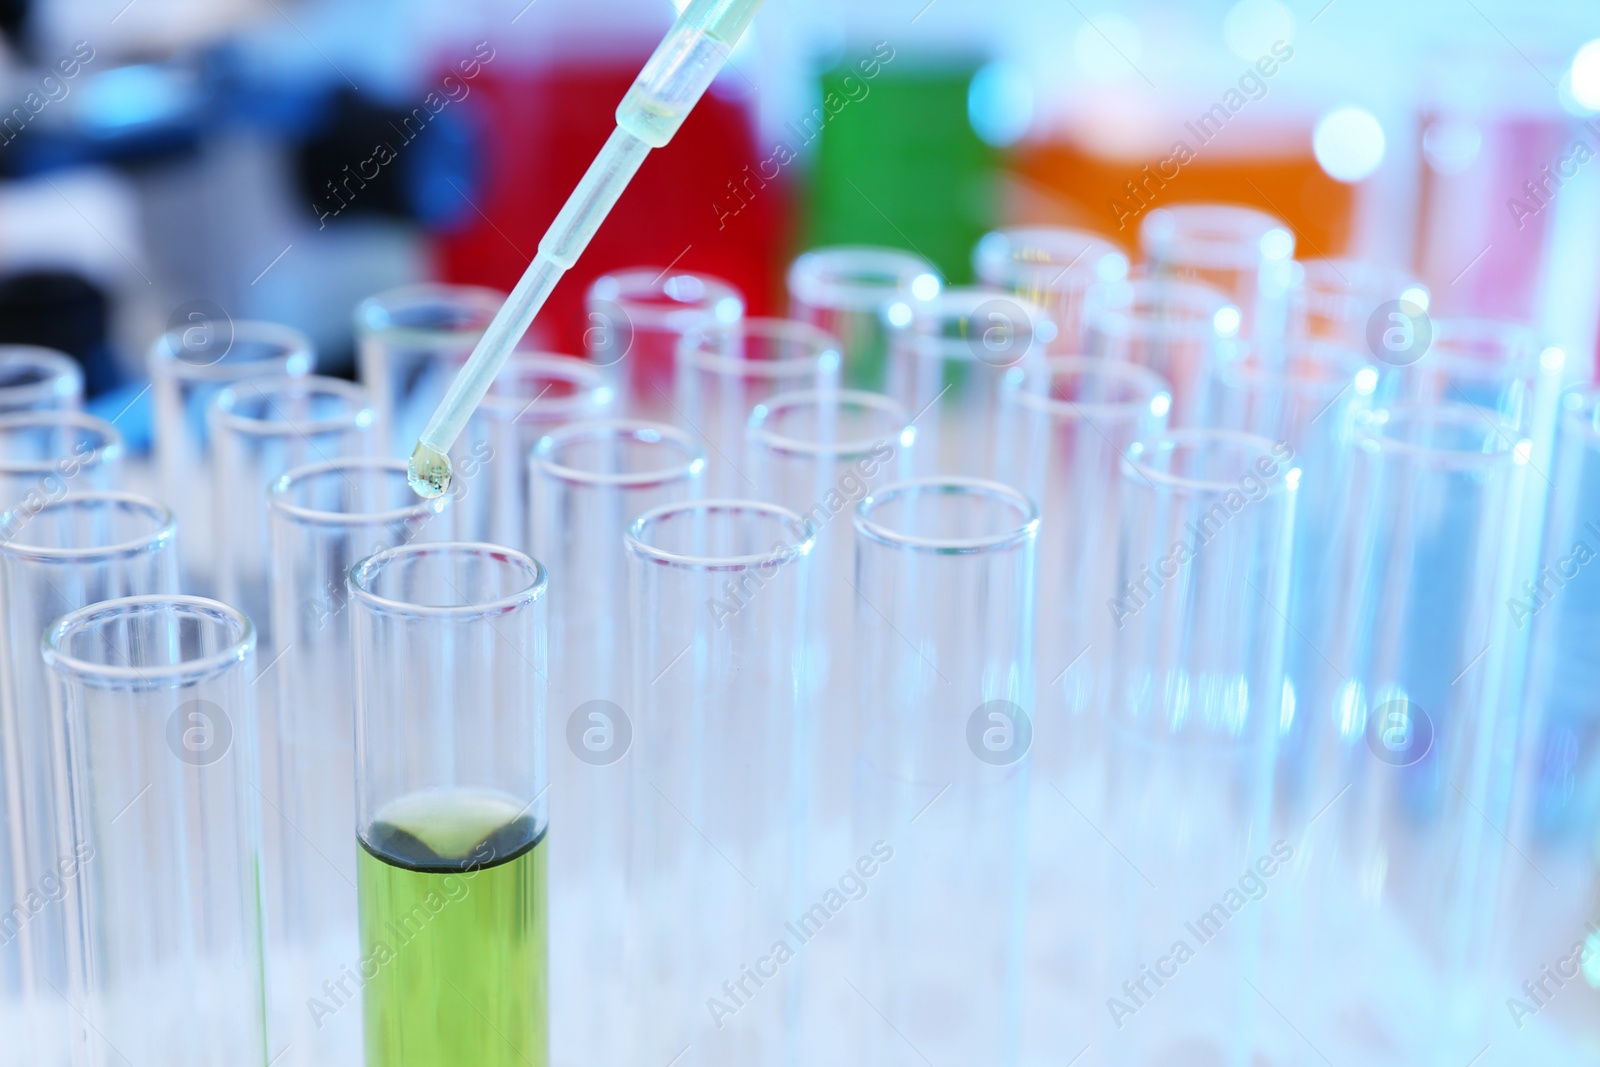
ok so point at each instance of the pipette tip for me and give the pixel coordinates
(429, 471)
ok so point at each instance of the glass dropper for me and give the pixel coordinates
(672, 81)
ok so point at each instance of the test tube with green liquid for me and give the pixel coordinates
(451, 816)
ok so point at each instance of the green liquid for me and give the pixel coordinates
(454, 921)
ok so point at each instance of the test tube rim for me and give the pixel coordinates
(1055, 408)
(1202, 251)
(362, 415)
(1322, 269)
(682, 317)
(297, 356)
(1158, 479)
(241, 644)
(277, 504)
(689, 350)
(596, 395)
(690, 468)
(806, 288)
(1508, 439)
(756, 426)
(501, 605)
(58, 367)
(960, 302)
(640, 549)
(1005, 270)
(165, 531)
(486, 298)
(1025, 532)
(109, 452)
(1451, 330)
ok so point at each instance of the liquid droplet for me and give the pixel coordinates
(429, 471)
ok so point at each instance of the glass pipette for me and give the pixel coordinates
(670, 84)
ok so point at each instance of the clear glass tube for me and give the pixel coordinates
(1178, 329)
(260, 429)
(1306, 401)
(187, 370)
(410, 342)
(155, 713)
(1065, 424)
(634, 321)
(1053, 267)
(715, 590)
(38, 379)
(450, 805)
(944, 610)
(533, 395)
(819, 453)
(323, 519)
(1245, 254)
(1417, 744)
(1338, 300)
(947, 367)
(73, 551)
(1203, 574)
(1555, 805)
(724, 372)
(46, 454)
(590, 480)
(860, 295)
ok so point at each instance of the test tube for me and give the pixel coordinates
(1305, 401)
(1245, 254)
(860, 295)
(590, 480)
(72, 551)
(1348, 302)
(410, 341)
(38, 379)
(46, 454)
(1059, 269)
(533, 394)
(1203, 569)
(715, 591)
(187, 369)
(947, 367)
(634, 321)
(1555, 812)
(1065, 424)
(155, 716)
(324, 518)
(944, 624)
(1400, 870)
(723, 373)
(261, 428)
(1178, 329)
(450, 805)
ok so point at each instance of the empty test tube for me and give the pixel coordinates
(589, 481)
(715, 590)
(947, 367)
(860, 295)
(38, 379)
(1348, 302)
(46, 454)
(944, 610)
(261, 428)
(155, 713)
(635, 320)
(187, 369)
(410, 342)
(1203, 570)
(1061, 270)
(1245, 254)
(72, 551)
(1179, 329)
